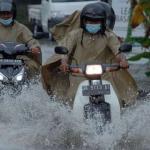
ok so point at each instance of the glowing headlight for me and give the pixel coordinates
(2, 77)
(20, 75)
(94, 70)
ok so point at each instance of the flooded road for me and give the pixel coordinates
(34, 121)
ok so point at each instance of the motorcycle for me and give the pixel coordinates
(95, 98)
(12, 70)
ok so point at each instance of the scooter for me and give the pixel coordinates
(12, 70)
(95, 98)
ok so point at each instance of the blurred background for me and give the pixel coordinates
(22, 8)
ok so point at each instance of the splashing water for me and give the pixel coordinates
(36, 122)
(33, 121)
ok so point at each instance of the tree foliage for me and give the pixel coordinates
(137, 57)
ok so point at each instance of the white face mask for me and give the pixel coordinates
(6, 22)
(93, 28)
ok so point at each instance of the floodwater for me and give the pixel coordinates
(34, 121)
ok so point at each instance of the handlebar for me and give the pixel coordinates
(93, 71)
(11, 48)
(105, 67)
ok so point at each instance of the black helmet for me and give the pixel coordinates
(93, 11)
(111, 17)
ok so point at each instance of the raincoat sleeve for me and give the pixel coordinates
(113, 43)
(69, 42)
(26, 36)
(51, 79)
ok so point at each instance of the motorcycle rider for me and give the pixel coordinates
(13, 31)
(93, 42)
(73, 21)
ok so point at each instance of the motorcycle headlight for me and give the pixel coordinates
(20, 75)
(94, 70)
(3, 77)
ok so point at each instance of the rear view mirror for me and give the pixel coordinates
(61, 50)
(126, 47)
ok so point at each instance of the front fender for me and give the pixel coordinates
(80, 101)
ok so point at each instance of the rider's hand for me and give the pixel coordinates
(36, 50)
(64, 65)
(122, 60)
(124, 64)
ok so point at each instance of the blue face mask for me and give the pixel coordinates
(6, 22)
(93, 28)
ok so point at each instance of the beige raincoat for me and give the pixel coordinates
(87, 48)
(70, 23)
(21, 34)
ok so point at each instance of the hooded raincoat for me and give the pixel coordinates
(87, 48)
(73, 22)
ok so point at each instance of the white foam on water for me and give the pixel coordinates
(34, 121)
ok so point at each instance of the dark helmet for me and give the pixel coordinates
(111, 17)
(93, 11)
(6, 6)
(9, 6)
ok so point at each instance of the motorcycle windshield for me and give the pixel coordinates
(11, 62)
(11, 48)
